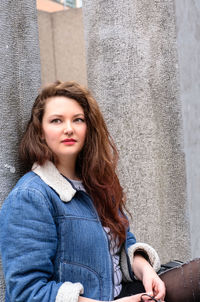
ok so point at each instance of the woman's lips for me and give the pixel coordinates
(69, 141)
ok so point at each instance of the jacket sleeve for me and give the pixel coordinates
(28, 242)
(127, 255)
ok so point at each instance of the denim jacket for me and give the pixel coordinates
(53, 245)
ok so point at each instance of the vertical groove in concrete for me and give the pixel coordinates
(20, 80)
(132, 71)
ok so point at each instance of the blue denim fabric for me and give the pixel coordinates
(45, 242)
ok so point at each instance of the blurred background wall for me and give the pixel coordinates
(62, 46)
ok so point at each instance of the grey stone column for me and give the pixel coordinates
(20, 80)
(133, 72)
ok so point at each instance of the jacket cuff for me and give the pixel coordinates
(69, 292)
(149, 253)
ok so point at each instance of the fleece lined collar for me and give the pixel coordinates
(52, 177)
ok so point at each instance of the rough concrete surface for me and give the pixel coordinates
(20, 79)
(132, 71)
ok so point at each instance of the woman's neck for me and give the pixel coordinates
(67, 168)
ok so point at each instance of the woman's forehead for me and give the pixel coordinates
(62, 104)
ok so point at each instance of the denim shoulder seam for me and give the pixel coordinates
(35, 191)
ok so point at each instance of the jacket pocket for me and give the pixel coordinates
(91, 280)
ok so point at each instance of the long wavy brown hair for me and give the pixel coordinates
(97, 161)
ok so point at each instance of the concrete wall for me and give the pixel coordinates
(133, 72)
(20, 80)
(62, 46)
(188, 45)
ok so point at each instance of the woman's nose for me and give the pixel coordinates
(68, 128)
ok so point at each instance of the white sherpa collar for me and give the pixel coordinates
(52, 177)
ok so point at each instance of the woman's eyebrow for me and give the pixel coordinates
(78, 114)
(60, 115)
(55, 115)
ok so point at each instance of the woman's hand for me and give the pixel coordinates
(153, 285)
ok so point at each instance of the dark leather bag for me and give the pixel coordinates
(169, 265)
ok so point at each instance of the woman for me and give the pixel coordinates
(64, 234)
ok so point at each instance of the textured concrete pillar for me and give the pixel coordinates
(133, 72)
(20, 80)
(188, 45)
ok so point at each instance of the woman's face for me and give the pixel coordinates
(64, 127)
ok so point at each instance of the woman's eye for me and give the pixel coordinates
(79, 120)
(56, 121)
